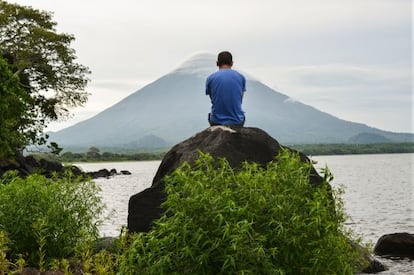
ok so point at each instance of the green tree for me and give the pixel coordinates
(54, 148)
(93, 153)
(14, 116)
(45, 64)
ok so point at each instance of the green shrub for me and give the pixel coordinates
(248, 221)
(47, 218)
(4, 262)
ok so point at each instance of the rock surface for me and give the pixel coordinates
(102, 173)
(26, 165)
(125, 172)
(374, 266)
(236, 144)
(396, 245)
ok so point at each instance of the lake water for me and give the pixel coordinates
(379, 194)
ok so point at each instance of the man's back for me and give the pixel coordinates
(225, 88)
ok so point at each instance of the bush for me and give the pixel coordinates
(249, 221)
(47, 218)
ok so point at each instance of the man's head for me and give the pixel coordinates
(224, 59)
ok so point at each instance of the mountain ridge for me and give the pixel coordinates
(175, 107)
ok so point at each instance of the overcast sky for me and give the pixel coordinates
(349, 58)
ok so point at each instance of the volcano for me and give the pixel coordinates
(175, 107)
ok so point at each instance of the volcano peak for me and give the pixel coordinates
(200, 64)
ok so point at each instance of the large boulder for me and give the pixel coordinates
(236, 144)
(396, 245)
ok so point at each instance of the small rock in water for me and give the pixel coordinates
(75, 170)
(125, 172)
(374, 266)
(396, 245)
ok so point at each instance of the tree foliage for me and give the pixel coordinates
(93, 152)
(14, 116)
(347, 149)
(108, 156)
(45, 64)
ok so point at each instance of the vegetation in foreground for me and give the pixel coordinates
(48, 218)
(52, 224)
(250, 221)
(218, 220)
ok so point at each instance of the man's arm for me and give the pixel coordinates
(244, 86)
(208, 90)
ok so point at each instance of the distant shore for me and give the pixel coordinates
(355, 149)
(307, 149)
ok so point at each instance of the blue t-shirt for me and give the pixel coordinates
(225, 88)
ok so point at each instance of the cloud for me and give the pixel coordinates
(380, 96)
(77, 116)
(337, 75)
(119, 85)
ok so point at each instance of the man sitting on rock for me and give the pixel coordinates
(226, 88)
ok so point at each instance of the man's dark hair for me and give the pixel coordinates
(224, 58)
